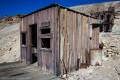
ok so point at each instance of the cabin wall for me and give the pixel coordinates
(94, 33)
(69, 39)
(47, 58)
(95, 37)
(75, 43)
(68, 53)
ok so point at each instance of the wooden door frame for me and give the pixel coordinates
(30, 42)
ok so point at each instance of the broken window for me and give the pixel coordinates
(23, 38)
(45, 42)
(107, 28)
(45, 28)
(45, 32)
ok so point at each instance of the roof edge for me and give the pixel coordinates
(49, 6)
(59, 6)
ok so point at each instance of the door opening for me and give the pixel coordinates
(33, 35)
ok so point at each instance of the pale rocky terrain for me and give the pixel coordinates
(9, 42)
(97, 7)
(108, 71)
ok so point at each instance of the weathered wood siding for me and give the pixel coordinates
(94, 33)
(75, 41)
(47, 59)
(70, 39)
(95, 37)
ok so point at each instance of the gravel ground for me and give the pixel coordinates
(110, 70)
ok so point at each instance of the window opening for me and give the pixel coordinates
(23, 38)
(45, 42)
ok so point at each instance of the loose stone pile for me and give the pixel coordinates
(111, 44)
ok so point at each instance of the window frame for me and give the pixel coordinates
(45, 25)
(23, 42)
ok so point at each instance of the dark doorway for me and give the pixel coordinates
(33, 42)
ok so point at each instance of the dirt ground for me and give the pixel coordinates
(109, 70)
(21, 71)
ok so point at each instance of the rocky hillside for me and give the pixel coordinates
(9, 41)
(92, 8)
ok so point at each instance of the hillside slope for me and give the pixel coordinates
(9, 42)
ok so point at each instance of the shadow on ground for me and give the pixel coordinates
(21, 71)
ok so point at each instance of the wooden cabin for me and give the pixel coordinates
(58, 38)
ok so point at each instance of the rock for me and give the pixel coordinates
(10, 49)
(111, 44)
